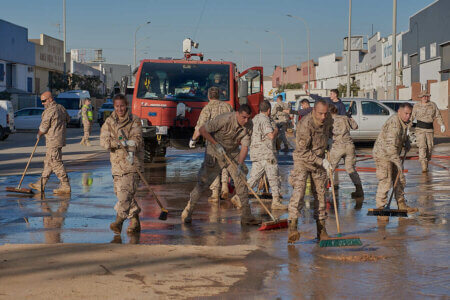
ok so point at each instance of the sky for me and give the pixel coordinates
(220, 27)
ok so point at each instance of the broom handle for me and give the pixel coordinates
(330, 171)
(265, 183)
(248, 186)
(395, 182)
(28, 163)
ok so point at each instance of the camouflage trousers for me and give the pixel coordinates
(346, 151)
(425, 143)
(386, 174)
(53, 164)
(211, 168)
(125, 187)
(219, 181)
(270, 168)
(87, 128)
(282, 135)
(297, 179)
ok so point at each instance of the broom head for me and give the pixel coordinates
(387, 212)
(341, 241)
(261, 196)
(163, 214)
(277, 224)
(21, 190)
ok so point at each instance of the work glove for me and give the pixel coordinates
(38, 136)
(241, 170)
(131, 143)
(192, 144)
(442, 128)
(326, 164)
(220, 150)
(130, 157)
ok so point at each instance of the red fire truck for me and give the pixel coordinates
(169, 95)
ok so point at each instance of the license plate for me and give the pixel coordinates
(161, 129)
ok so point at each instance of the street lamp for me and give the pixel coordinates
(282, 53)
(260, 60)
(307, 41)
(135, 33)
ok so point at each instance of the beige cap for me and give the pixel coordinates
(424, 94)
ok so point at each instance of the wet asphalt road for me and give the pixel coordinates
(407, 258)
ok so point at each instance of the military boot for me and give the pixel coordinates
(87, 143)
(236, 201)
(116, 226)
(424, 166)
(37, 185)
(294, 234)
(359, 192)
(186, 215)
(225, 192)
(214, 198)
(82, 141)
(64, 188)
(277, 204)
(135, 225)
(321, 230)
(402, 205)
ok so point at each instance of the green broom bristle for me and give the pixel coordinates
(340, 242)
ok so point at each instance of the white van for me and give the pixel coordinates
(6, 119)
(72, 102)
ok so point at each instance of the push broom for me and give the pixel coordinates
(339, 240)
(275, 223)
(164, 212)
(18, 189)
(386, 210)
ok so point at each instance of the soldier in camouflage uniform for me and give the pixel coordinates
(88, 119)
(343, 147)
(425, 112)
(280, 114)
(314, 133)
(214, 108)
(53, 126)
(386, 153)
(263, 153)
(126, 158)
(224, 135)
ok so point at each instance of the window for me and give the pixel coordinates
(422, 53)
(354, 107)
(186, 82)
(405, 59)
(432, 50)
(29, 84)
(22, 113)
(372, 108)
(2, 72)
(36, 112)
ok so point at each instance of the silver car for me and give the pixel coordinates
(370, 115)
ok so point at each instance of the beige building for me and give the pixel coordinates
(49, 59)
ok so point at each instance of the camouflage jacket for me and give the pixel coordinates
(312, 141)
(391, 139)
(278, 114)
(341, 129)
(261, 147)
(131, 129)
(212, 110)
(427, 113)
(226, 130)
(53, 125)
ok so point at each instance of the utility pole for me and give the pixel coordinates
(394, 50)
(349, 46)
(307, 42)
(64, 36)
(135, 34)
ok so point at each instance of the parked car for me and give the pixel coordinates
(28, 118)
(370, 115)
(72, 102)
(6, 119)
(395, 104)
(105, 110)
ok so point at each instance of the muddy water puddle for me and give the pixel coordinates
(407, 257)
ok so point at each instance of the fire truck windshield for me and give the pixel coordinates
(186, 82)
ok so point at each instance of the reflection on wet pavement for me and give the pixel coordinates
(406, 252)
